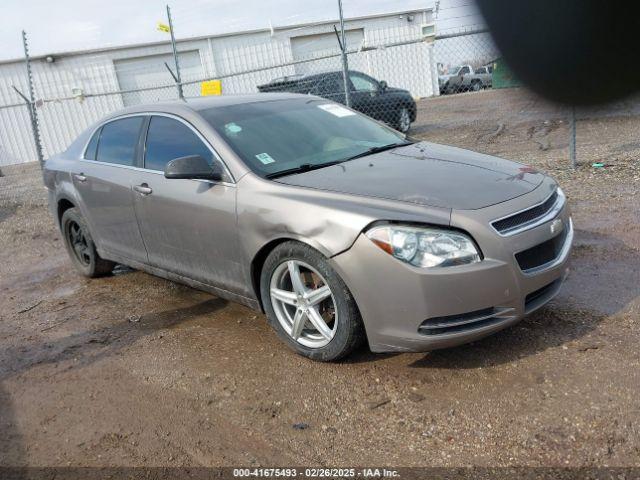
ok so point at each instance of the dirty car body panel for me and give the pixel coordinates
(212, 235)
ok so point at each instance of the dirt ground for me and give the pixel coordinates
(132, 370)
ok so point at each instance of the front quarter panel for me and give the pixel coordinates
(329, 222)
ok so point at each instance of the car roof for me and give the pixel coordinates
(203, 103)
(309, 76)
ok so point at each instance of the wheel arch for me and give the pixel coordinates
(257, 263)
(411, 106)
(63, 205)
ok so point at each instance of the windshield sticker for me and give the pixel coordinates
(265, 158)
(337, 110)
(233, 128)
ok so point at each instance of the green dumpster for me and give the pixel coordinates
(503, 77)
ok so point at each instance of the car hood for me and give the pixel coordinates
(397, 90)
(426, 174)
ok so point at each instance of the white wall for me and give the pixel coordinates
(264, 55)
(456, 15)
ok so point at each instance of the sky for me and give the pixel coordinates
(67, 25)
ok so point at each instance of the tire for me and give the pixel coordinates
(403, 123)
(347, 332)
(476, 86)
(80, 246)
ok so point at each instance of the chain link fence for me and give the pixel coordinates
(398, 69)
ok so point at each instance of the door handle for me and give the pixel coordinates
(80, 177)
(143, 189)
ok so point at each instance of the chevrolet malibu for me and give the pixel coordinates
(339, 228)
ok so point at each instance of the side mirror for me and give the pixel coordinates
(383, 85)
(192, 167)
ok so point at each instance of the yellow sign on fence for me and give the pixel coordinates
(163, 28)
(211, 87)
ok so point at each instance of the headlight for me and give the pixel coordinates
(425, 247)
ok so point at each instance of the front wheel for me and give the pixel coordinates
(404, 120)
(308, 304)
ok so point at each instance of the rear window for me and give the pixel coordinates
(92, 147)
(118, 141)
(329, 85)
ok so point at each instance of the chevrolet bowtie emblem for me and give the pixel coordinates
(556, 226)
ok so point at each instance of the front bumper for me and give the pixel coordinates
(405, 308)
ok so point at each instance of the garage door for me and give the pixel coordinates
(314, 46)
(149, 71)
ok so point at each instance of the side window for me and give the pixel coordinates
(463, 71)
(168, 139)
(92, 147)
(118, 141)
(328, 85)
(363, 84)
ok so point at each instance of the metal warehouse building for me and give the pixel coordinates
(74, 89)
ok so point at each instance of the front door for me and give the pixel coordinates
(103, 181)
(188, 226)
(367, 97)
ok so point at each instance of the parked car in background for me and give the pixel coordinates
(463, 78)
(340, 229)
(393, 106)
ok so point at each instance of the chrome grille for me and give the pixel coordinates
(530, 217)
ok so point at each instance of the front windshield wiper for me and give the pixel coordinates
(381, 148)
(305, 167)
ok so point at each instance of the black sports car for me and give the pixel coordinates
(393, 106)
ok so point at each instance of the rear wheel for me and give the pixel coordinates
(308, 304)
(80, 246)
(476, 86)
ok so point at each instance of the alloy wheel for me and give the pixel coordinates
(304, 304)
(78, 241)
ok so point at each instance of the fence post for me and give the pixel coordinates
(31, 105)
(175, 55)
(345, 64)
(572, 137)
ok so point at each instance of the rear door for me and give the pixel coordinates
(331, 87)
(188, 226)
(103, 181)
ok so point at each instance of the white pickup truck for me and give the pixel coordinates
(463, 78)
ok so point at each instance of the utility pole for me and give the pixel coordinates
(31, 103)
(345, 64)
(175, 55)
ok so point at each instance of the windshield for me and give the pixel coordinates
(454, 70)
(282, 135)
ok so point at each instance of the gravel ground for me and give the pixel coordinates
(132, 370)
